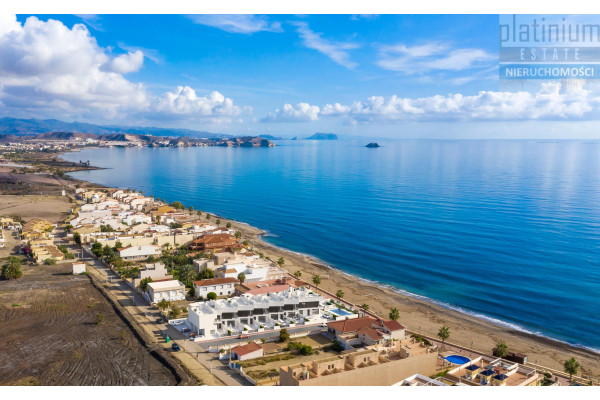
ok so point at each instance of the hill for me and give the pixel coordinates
(322, 136)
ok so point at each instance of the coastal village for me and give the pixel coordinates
(229, 315)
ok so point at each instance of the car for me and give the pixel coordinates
(175, 347)
(323, 324)
(185, 330)
(243, 337)
(160, 321)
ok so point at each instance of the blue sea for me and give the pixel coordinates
(508, 230)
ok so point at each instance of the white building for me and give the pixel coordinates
(139, 252)
(220, 286)
(78, 268)
(169, 290)
(217, 317)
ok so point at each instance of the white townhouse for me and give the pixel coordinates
(169, 290)
(217, 317)
(137, 218)
(139, 252)
(219, 286)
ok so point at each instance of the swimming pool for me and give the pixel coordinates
(456, 359)
(340, 312)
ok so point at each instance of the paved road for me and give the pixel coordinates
(257, 336)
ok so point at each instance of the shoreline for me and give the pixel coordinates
(420, 313)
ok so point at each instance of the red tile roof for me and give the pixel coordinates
(215, 281)
(246, 349)
(392, 325)
(372, 333)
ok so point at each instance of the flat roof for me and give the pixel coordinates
(165, 285)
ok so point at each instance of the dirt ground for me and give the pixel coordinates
(51, 208)
(49, 335)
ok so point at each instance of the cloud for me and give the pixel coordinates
(302, 112)
(238, 23)
(429, 57)
(185, 101)
(127, 63)
(47, 69)
(47, 66)
(551, 103)
(151, 54)
(336, 51)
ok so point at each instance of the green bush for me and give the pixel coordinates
(49, 261)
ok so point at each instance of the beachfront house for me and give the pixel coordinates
(248, 313)
(247, 352)
(212, 242)
(139, 252)
(220, 286)
(169, 290)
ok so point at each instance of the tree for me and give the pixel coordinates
(206, 273)
(228, 225)
(199, 213)
(211, 296)
(281, 261)
(339, 294)
(207, 216)
(144, 283)
(241, 277)
(177, 205)
(444, 333)
(571, 366)
(365, 306)
(97, 249)
(12, 269)
(394, 314)
(163, 304)
(191, 209)
(317, 280)
(218, 222)
(175, 312)
(298, 274)
(77, 238)
(238, 235)
(501, 350)
(283, 335)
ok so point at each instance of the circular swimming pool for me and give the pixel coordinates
(456, 359)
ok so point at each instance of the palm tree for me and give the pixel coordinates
(317, 280)
(444, 333)
(501, 350)
(339, 294)
(297, 274)
(365, 306)
(218, 222)
(571, 366)
(394, 314)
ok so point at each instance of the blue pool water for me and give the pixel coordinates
(459, 360)
(508, 230)
(340, 312)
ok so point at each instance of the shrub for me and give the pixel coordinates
(283, 335)
(211, 296)
(49, 261)
(12, 269)
(99, 319)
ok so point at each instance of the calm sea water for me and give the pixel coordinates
(506, 229)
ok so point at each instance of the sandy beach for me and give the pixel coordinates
(421, 316)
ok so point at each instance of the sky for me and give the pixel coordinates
(396, 76)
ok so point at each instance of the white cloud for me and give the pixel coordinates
(302, 112)
(49, 70)
(127, 63)
(337, 51)
(151, 54)
(430, 56)
(551, 103)
(238, 23)
(45, 65)
(185, 101)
